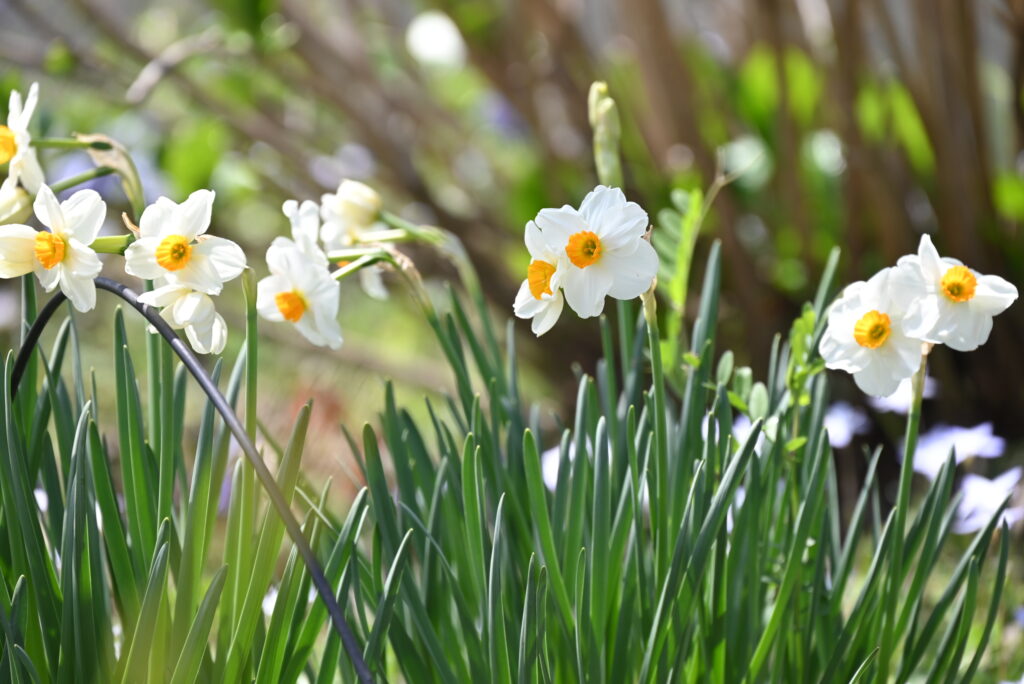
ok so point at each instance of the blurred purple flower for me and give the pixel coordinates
(933, 447)
(982, 497)
(842, 422)
(899, 401)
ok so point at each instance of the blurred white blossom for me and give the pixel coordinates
(982, 497)
(933, 446)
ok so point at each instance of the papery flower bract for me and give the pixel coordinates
(301, 291)
(934, 446)
(172, 245)
(982, 497)
(954, 304)
(15, 203)
(61, 256)
(346, 213)
(16, 142)
(865, 335)
(185, 309)
(603, 243)
(540, 297)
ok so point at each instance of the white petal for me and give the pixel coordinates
(615, 220)
(372, 282)
(164, 295)
(208, 337)
(993, 295)
(200, 274)
(49, 278)
(48, 210)
(17, 250)
(931, 266)
(970, 332)
(548, 316)
(558, 225)
(29, 171)
(526, 305)
(159, 219)
(84, 213)
(30, 106)
(81, 261)
(140, 258)
(305, 220)
(14, 111)
(266, 290)
(227, 258)
(195, 212)
(81, 291)
(194, 308)
(535, 244)
(635, 273)
(585, 290)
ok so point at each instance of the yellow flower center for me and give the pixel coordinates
(292, 305)
(8, 146)
(538, 275)
(872, 330)
(958, 284)
(49, 249)
(584, 248)
(174, 252)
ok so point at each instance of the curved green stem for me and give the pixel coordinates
(71, 143)
(84, 177)
(896, 566)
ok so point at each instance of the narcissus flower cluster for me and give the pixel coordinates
(585, 255)
(878, 330)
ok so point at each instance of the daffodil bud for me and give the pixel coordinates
(15, 204)
(355, 203)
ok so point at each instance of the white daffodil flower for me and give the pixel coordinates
(16, 142)
(185, 309)
(540, 297)
(172, 245)
(15, 203)
(353, 209)
(954, 304)
(605, 249)
(300, 290)
(865, 334)
(305, 220)
(60, 256)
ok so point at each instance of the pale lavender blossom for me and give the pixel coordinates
(933, 447)
(982, 497)
(842, 422)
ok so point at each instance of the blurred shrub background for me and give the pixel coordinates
(859, 123)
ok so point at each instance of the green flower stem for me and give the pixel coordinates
(351, 253)
(900, 518)
(251, 351)
(393, 235)
(359, 264)
(112, 244)
(663, 543)
(430, 234)
(71, 143)
(84, 177)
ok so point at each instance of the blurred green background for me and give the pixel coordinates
(858, 123)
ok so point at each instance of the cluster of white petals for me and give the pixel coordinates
(61, 256)
(16, 142)
(300, 288)
(585, 255)
(878, 330)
